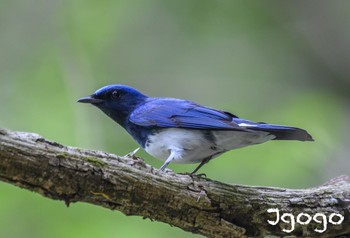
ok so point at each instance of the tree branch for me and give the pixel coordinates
(194, 204)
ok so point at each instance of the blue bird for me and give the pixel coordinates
(182, 131)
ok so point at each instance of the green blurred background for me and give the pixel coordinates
(284, 62)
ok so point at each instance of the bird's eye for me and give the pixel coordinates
(115, 94)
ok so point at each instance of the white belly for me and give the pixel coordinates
(192, 146)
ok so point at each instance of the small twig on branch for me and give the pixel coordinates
(192, 203)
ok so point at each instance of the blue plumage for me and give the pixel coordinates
(176, 130)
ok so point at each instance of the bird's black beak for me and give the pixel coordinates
(90, 99)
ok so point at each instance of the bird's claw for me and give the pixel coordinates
(201, 175)
(166, 170)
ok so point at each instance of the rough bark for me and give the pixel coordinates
(194, 204)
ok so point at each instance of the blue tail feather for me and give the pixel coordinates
(281, 132)
(286, 133)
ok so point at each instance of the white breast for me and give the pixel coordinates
(191, 145)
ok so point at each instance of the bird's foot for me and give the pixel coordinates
(166, 170)
(201, 175)
(192, 175)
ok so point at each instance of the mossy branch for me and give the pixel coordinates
(194, 204)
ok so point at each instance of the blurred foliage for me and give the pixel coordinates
(279, 62)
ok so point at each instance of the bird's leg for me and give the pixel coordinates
(206, 160)
(132, 153)
(166, 163)
(172, 155)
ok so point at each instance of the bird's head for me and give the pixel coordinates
(117, 101)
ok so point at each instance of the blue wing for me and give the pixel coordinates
(169, 112)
